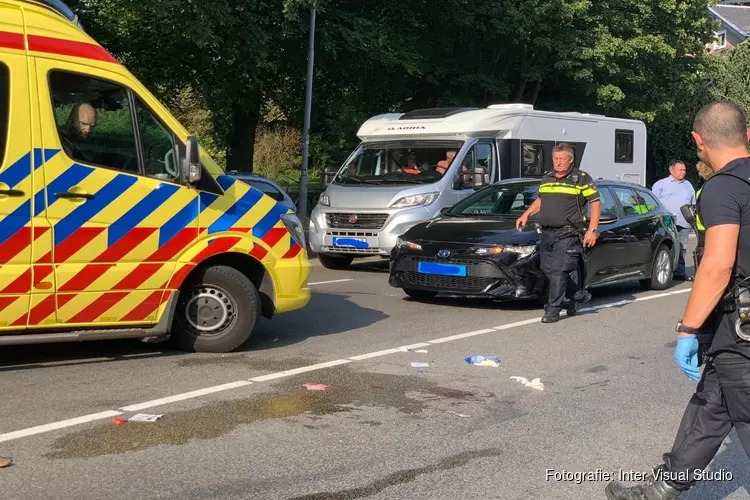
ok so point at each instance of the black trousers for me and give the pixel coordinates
(721, 401)
(559, 256)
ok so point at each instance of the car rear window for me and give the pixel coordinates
(4, 109)
(268, 189)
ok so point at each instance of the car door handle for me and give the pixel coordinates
(12, 192)
(68, 194)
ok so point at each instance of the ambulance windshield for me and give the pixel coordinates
(399, 162)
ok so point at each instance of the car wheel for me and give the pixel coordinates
(218, 311)
(334, 262)
(661, 270)
(420, 294)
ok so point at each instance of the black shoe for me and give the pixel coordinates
(651, 490)
(576, 305)
(551, 317)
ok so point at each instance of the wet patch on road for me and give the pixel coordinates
(248, 361)
(347, 390)
(404, 476)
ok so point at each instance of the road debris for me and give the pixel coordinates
(144, 417)
(420, 365)
(315, 387)
(119, 421)
(5, 462)
(421, 351)
(534, 384)
(484, 360)
(459, 414)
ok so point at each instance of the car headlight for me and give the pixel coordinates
(521, 250)
(294, 226)
(401, 243)
(415, 200)
(324, 200)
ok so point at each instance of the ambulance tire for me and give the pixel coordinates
(223, 303)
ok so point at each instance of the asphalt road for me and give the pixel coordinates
(244, 426)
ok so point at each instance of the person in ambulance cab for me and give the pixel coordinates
(79, 127)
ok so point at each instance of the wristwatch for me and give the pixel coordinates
(686, 329)
(592, 231)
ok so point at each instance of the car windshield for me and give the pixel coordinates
(398, 162)
(499, 200)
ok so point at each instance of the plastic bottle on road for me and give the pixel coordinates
(473, 360)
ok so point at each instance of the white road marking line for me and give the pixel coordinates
(461, 336)
(332, 281)
(304, 369)
(185, 395)
(8, 436)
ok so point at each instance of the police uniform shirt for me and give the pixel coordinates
(564, 200)
(725, 199)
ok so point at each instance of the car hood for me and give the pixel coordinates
(472, 231)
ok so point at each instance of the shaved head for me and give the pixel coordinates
(721, 125)
(81, 121)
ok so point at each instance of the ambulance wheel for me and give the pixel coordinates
(218, 311)
(420, 294)
(334, 262)
(661, 270)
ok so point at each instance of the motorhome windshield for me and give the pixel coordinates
(399, 162)
(499, 200)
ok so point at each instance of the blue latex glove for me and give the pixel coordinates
(686, 355)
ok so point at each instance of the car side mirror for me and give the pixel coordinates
(445, 210)
(688, 211)
(191, 171)
(476, 179)
(608, 218)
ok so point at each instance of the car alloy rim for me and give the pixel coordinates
(662, 267)
(209, 310)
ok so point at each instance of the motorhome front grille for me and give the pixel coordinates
(370, 251)
(356, 221)
(474, 268)
(464, 284)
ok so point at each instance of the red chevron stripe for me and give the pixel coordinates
(42, 272)
(101, 305)
(146, 308)
(15, 244)
(175, 245)
(139, 276)
(79, 239)
(239, 229)
(217, 246)
(258, 252)
(180, 276)
(274, 236)
(6, 301)
(22, 284)
(44, 309)
(12, 40)
(72, 48)
(292, 253)
(39, 231)
(111, 255)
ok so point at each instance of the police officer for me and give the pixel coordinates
(563, 194)
(721, 399)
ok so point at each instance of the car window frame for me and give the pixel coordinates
(657, 204)
(619, 202)
(618, 209)
(7, 97)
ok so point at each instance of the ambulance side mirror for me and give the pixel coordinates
(192, 166)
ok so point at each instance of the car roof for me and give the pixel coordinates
(250, 177)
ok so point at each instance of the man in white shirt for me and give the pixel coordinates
(674, 192)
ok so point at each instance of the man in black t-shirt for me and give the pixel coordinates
(722, 399)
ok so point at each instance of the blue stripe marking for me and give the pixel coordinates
(39, 203)
(102, 198)
(269, 220)
(40, 160)
(236, 211)
(75, 174)
(17, 172)
(225, 181)
(207, 199)
(177, 223)
(15, 221)
(140, 211)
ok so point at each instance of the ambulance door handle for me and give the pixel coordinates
(68, 194)
(12, 192)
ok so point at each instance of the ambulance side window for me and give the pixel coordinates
(4, 109)
(93, 119)
(159, 157)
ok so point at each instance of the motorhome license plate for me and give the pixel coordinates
(351, 242)
(441, 269)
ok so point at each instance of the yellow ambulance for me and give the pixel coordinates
(113, 223)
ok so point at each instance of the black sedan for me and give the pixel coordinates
(474, 248)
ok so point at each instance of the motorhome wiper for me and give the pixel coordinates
(402, 181)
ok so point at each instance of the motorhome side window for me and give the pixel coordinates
(623, 146)
(93, 119)
(533, 159)
(4, 109)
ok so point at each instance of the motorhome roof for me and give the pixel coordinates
(453, 122)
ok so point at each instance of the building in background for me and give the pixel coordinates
(735, 24)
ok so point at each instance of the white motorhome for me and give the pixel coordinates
(409, 166)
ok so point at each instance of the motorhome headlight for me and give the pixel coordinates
(402, 243)
(415, 200)
(294, 226)
(520, 250)
(324, 200)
